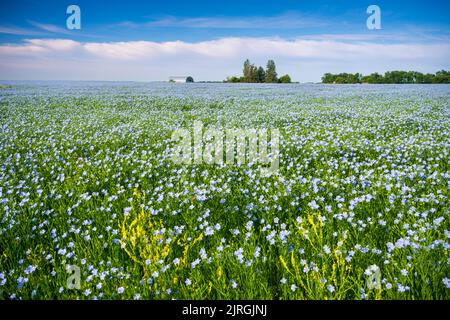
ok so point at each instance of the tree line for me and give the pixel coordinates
(389, 77)
(254, 74)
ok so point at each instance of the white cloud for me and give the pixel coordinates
(420, 36)
(284, 21)
(50, 28)
(19, 31)
(304, 59)
(42, 29)
(38, 48)
(54, 44)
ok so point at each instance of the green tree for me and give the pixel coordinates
(250, 72)
(285, 79)
(442, 77)
(373, 78)
(328, 78)
(420, 78)
(247, 71)
(253, 74)
(234, 79)
(357, 78)
(428, 78)
(261, 74)
(396, 76)
(271, 72)
(340, 80)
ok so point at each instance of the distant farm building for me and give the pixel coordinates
(181, 79)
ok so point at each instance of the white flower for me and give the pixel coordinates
(313, 205)
(195, 263)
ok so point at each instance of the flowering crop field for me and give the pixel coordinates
(93, 207)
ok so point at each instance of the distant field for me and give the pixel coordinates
(358, 208)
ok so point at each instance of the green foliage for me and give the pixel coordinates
(234, 79)
(442, 77)
(261, 75)
(372, 78)
(342, 78)
(247, 71)
(396, 76)
(253, 74)
(271, 72)
(285, 79)
(328, 78)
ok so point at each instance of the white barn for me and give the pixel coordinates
(181, 79)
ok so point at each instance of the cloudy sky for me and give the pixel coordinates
(152, 40)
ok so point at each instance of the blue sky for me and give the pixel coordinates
(151, 40)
